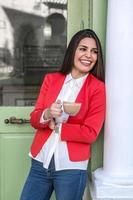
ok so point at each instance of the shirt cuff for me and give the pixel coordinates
(42, 120)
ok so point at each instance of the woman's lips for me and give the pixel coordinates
(86, 62)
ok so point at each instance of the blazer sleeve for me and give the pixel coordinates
(40, 105)
(89, 130)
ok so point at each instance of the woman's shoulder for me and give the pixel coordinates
(95, 84)
(96, 81)
(54, 75)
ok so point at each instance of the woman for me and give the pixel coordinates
(61, 148)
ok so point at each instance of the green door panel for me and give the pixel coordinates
(14, 164)
(19, 113)
(15, 141)
(98, 20)
(78, 16)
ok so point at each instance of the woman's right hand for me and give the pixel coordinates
(54, 111)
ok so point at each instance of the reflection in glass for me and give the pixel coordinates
(32, 43)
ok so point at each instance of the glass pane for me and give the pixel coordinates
(32, 43)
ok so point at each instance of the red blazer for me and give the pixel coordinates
(79, 131)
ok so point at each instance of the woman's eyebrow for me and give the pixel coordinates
(95, 48)
(82, 46)
(87, 47)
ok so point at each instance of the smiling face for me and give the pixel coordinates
(85, 57)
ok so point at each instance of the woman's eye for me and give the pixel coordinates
(82, 49)
(95, 51)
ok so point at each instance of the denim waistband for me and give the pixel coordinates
(51, 164)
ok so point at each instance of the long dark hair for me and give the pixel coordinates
(98, 69)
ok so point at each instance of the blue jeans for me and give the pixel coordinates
(41, 182)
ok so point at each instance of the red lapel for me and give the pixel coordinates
(81, 98)
(83, 89)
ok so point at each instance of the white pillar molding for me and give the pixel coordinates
(115, 179)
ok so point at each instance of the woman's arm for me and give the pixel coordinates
(43, 116)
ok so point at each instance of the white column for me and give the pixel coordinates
(115, 179)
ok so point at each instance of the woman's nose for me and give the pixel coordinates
(88, 53)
